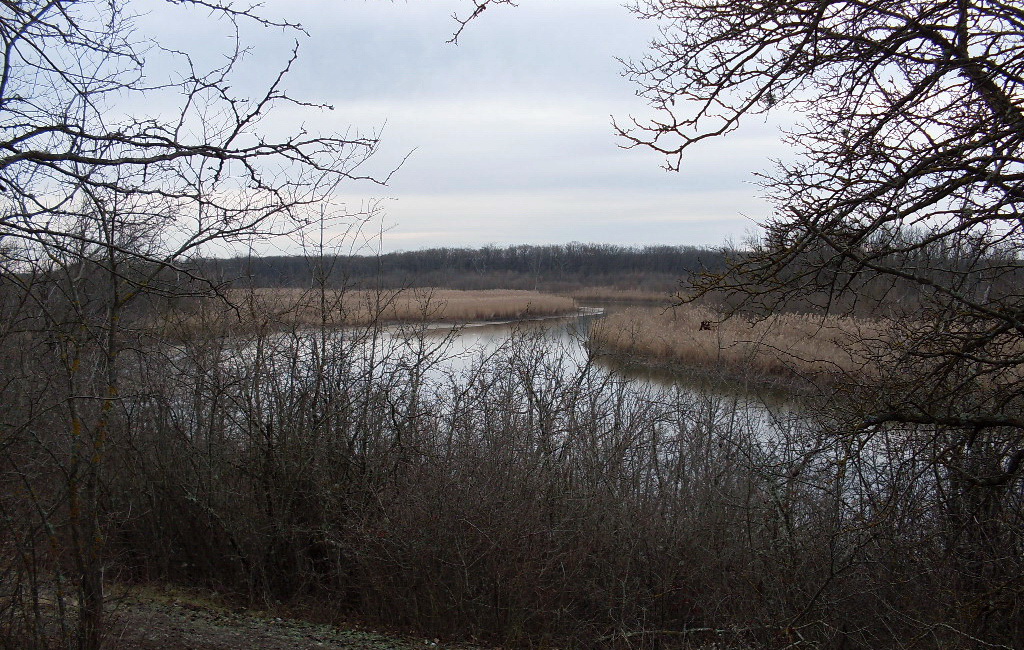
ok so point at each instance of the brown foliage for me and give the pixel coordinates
(784, 345)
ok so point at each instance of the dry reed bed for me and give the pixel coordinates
(300, 307)
(613, 294)
(780, 345)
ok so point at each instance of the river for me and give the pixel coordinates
(465, 347)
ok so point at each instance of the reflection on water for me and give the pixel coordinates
(465, 348)
(547, 359)
(468, 344)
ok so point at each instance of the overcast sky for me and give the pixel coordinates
(509, 131)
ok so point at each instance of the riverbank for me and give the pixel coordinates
(282, 308)
(623, 296)
(699, 341)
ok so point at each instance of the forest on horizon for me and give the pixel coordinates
(545, 268)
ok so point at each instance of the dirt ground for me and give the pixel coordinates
(152, 623)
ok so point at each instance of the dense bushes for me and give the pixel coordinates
(531, 498)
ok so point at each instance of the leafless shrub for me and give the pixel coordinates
(532, 498)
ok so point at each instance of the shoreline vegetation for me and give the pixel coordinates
(240, 309)
(617, 295)
(698, 339)
(522, 501)
(683, 340)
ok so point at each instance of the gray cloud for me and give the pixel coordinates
(511, 128)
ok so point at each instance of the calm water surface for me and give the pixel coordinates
(468, 346)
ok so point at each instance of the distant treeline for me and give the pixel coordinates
(551, 268)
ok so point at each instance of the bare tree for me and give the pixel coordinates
(907, 188)
(203, 164)
(99, 198)
(903, 201)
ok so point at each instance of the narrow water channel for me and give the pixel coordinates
(468, 346)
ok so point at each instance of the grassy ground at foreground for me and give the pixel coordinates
(300, 307)
(780, 346)
(168, 619)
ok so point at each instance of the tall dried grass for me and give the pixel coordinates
(779, 345)
(614, 294)
(287, 307)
